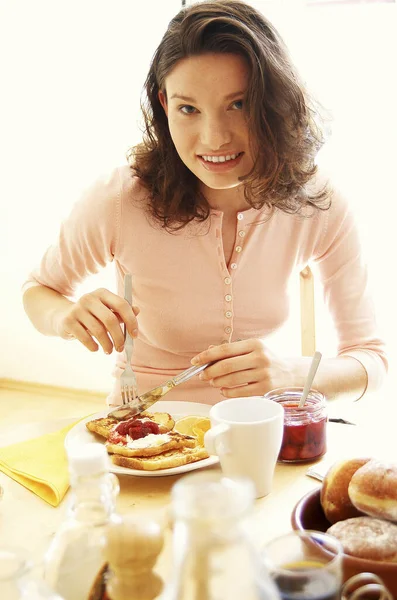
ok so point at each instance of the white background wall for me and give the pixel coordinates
(71, 79)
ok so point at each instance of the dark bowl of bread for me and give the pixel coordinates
(357, 504)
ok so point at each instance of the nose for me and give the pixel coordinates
(215, 132)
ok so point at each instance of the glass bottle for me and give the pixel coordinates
(213, 555)
(16, 581)
(305, 429)
(75, 555)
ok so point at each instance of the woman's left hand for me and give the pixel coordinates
(246, 368)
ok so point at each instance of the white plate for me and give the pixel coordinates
(79, 435)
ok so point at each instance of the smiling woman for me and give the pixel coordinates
(211, 133)
(225, 52)
(220, 206)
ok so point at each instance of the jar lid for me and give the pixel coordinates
(212, 496)
(90, 459)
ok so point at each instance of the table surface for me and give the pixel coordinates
(27, 521)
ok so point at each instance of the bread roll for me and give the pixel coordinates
(334, 498)
(373, 489)
(365, 537)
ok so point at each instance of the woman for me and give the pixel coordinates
(221, 205)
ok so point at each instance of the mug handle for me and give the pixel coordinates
(360, 585)
(216, 440)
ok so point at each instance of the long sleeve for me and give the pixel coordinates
(87, 239)
(344, 277)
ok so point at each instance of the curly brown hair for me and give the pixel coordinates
(281, 117)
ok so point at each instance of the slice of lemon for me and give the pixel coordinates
(200, 436)
(200, 428)
(204, 424)
(186, 425)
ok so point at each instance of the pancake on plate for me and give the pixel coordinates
(148, 441)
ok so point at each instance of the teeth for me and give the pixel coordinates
(216, 159)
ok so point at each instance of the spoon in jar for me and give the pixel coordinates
(309, 379)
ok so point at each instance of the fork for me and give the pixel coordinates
(143, 402)
(127, 379)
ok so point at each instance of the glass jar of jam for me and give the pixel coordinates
(305, 429)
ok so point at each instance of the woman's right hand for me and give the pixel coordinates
(97, 317)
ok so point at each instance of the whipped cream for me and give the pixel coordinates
(152, 439)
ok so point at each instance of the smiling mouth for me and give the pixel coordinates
(220, 159)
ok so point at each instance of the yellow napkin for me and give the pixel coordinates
(40, 465)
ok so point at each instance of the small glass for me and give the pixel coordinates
(308, 564)
(305, 564)
(305, 429)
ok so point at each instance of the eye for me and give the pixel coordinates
(187, 109)
(238, 105)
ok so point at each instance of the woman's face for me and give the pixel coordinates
(204, 104)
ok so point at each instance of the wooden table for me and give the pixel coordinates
(26, 520)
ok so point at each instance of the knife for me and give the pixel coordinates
(146, 400)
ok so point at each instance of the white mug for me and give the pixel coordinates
(246, 434)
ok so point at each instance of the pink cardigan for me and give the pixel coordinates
(189, 298)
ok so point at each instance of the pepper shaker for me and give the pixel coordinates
(132, 549)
